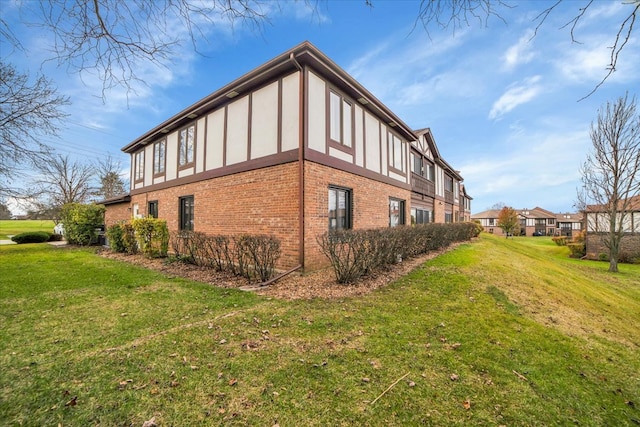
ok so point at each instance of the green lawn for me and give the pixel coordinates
(497, 332)
(10, 227)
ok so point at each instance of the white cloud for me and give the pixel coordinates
(515, 95)
(519, 53)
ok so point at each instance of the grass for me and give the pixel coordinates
(12, 227)
(497, 332)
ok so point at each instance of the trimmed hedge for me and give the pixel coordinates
(32, 237)
(356, 253)
(251, 256)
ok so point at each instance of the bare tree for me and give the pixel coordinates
(110, 180)
(63, 181)
(611, 173)
(114, 39)
(28, 111)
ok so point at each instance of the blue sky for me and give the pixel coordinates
(503, 106)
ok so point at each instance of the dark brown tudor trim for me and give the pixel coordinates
(262, 162)
(336, 163)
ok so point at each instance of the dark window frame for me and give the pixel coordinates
(186, 217)
(138, 168)
(401, 212)
(335, 143)
(159, 168)
(348, 210)
(152, 209)
(187, 163)
(391, 153)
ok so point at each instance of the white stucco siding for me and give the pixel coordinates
(317, 113)
(340, 155)
(200, 144)
(290, 112)
(172, 156)
(384, 149)
(148, 165)
(372, 142)
(185, 172)
(215, 139)
(397, 176)
(439, 175)
(264, 121)
(237, 131)
(359, 136)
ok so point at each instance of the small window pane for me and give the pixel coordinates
(346, 123)
(334, 117)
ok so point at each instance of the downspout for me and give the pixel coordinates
(301, 123)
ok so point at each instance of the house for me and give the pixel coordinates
(597, 226)
(533, 222)
(293, 149)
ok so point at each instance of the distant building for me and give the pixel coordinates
(598, 227)
(534, 222)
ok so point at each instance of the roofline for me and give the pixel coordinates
(306, 54)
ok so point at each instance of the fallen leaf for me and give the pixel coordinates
(150, 423)
(412, 384)
(233, 381)
(467, 404)
(72, 402)
(454, 377)
(365, 380)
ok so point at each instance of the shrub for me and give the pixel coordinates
(250, 256)
(115, 235)
(560, 240)
(577, 250)
(32, 237)
(355, 253)
(152, 235)
(82, 222)
(129, 239)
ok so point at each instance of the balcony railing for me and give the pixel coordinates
(420, 184)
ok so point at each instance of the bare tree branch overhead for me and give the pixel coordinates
(28, 111)
(114, 39)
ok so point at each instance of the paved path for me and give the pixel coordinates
(7, 242)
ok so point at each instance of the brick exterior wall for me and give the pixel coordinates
(115, 213)
(630, 245)
(370, 205)
(263, 201)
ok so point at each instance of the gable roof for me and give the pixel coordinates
(490, 213)
(634, 205)
(303, 55)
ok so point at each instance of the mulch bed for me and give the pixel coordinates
(316, 284)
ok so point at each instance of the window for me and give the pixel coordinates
(340, 118)
(139, 166)
(491, 221)
(429, 170)
(396, 212)
(339, 208)
(448, 183)
(152, 209)
(186, 213)
(416, 163)
(396, 152)
(551, 221)
(448, 217)
(421, 216)
(185, 145)
(158, 157)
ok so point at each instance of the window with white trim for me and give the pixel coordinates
(186, 143)
(340, 203)
(159, 149)
(138, 172)
(340, 119)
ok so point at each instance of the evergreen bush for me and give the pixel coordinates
(32, 237)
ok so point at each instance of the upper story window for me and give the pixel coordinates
(340, 205)
(159, 149)
(448, 183)
(340, 119)
(551, 221)
(396, 152)
(138, 172)
(429, 170)
(422, 167)
(186, 142)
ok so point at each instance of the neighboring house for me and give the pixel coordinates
(293, 149)
(533, 222)
(598, 226)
